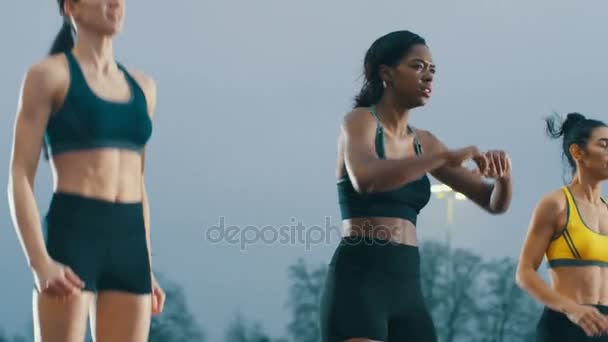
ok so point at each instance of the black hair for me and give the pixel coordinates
(576, 129)
(387, 50)
(64, 41)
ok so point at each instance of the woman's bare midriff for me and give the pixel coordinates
(387, 228)
(582, 284)
(106, 174)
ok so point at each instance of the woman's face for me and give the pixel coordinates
(594, 157)
(412, 78)
(102, 16)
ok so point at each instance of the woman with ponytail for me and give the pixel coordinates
(569, 227)
(372, 290)
(90, 253)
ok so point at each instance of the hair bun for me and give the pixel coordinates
(572, 119)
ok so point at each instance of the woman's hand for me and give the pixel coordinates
(499, 164)
(158, 297)
(56, 279)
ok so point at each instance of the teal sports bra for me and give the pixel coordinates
(405, 202)
(86, 121)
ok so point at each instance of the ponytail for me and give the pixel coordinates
(64, 40)
(370, 93)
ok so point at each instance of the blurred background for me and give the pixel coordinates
(240, 168)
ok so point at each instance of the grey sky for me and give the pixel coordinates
(250, 97)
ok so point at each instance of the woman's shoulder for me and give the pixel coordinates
(428, 140)
(358, 113)
(358, 119)
(46, 79)
(144, 80)
(49, 70)
(148, 85)
(552, 203)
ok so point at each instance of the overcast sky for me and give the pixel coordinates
(251, 94)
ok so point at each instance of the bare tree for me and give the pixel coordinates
(304, 300)
(473, 300)
(240, 330)
(4, 337)
(459, 309)
(434, 258)
(176, 323)
(510, 314)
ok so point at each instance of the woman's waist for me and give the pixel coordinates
(109, 185)
(582, 284)
(378, 256)
(119, 194)
(106, 170)
(392, 229)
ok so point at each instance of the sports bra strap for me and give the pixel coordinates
(379, 142)
(380, 131)
(417, 144)
(374, 111)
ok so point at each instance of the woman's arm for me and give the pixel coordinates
(543, 225)
(148, 86)
(40, 89)
(494, 198)
(34, 108)
(368, 173)
(146, 213)
(158, 295)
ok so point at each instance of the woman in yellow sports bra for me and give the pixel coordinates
(569, 228)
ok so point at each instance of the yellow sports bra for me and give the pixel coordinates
(577, 244)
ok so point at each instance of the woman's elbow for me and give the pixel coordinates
(497, 211)
(361, 186)
(521, 277)
(17, 178)
(10, 184)
(362, 181)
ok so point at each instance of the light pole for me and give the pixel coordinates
(443, 191)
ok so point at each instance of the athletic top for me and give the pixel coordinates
(404, 202)
(86, 121)
(577, 244)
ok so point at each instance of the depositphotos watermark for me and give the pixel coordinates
(295, 234)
